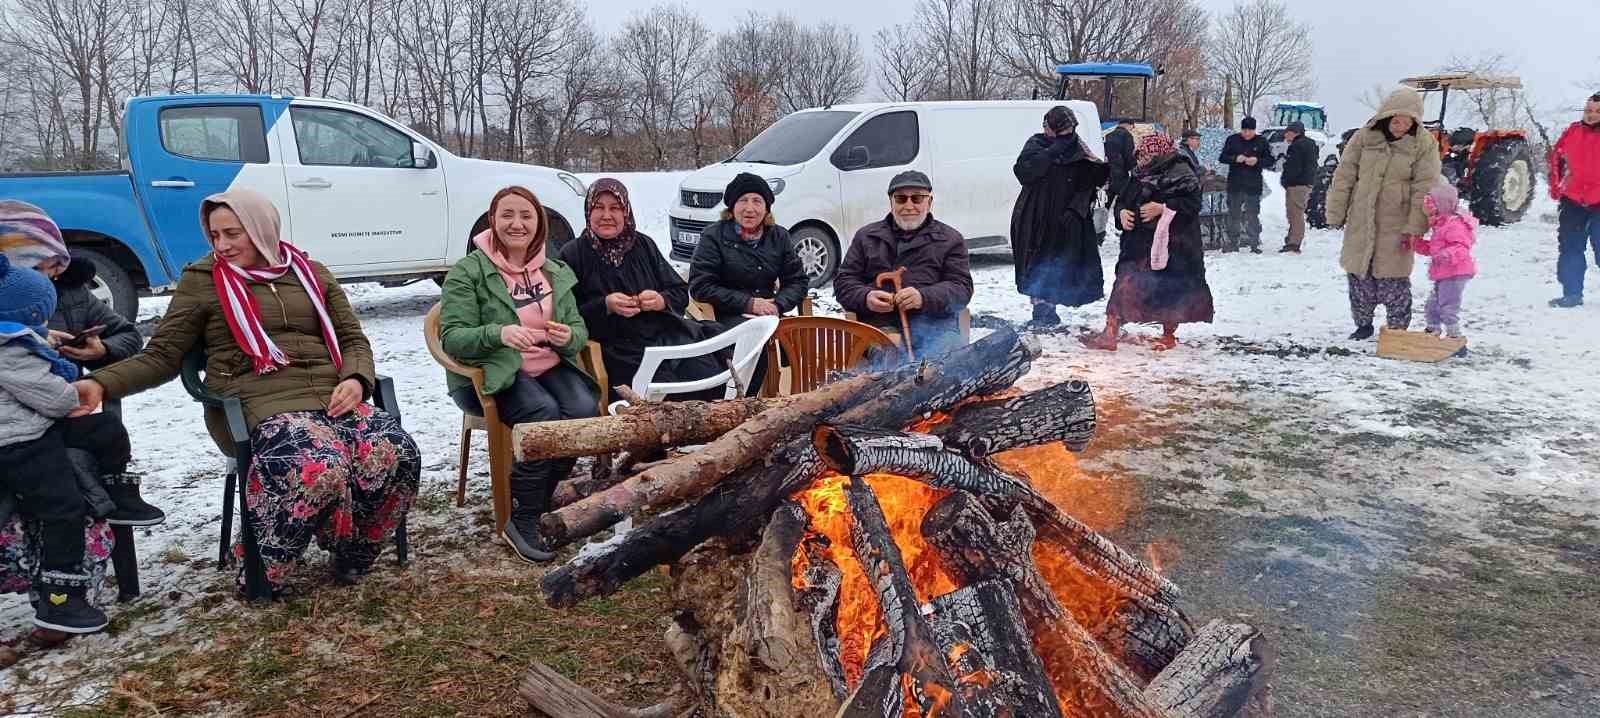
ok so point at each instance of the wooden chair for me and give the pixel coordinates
(818, 345)
(500, 449)
(255, 575)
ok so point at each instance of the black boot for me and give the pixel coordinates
(131, 508)
(1362, 332)
(63, 604)
(1567, 302)
(1044, 316)
(529, 499)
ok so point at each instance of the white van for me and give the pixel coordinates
(830, 169)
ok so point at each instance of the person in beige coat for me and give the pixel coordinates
(1386, 169)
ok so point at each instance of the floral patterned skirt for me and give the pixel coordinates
(344, 481)
(20, 548)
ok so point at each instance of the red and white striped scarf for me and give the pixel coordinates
(244, 316)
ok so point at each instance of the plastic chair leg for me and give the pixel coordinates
(402, 543)
(125, 561)
(461, 470)
(224, 552)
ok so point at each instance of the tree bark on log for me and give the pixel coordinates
(915, 651)
(1215, 676)
(771, 622)
(982, 628)
(744, 500)
(819, 599)
(692, 474)
(1063, 412)
(550, 692)
(639, 429)
(976, 548)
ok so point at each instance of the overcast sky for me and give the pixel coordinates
(1358, 42)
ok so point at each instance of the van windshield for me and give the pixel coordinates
(794, 139)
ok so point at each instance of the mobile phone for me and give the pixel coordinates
(82, 337)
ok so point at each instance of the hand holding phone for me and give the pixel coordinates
(82, 338)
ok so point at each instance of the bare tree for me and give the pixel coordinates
(246, 42)
(659, 53)
(965, 35)
(1038, 35)
(1490, 107)
(311, 32)
(572, 107)
(530, 41)
(903, 63)
(1372, 97)
(1264, 50)
(79, 41)
(749, 67)
(824, 67)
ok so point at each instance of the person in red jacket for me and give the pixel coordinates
(1575, 183)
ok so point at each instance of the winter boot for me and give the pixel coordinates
(131, 508)
(1044, 317)
(1362, 333)
(1567, 302)
(64, 605)
(529, 499)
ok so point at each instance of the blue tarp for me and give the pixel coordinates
(1121, 69)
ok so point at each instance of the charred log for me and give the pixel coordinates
(1218, 673)
(982, 629)
(819, 599)
(1063, 412)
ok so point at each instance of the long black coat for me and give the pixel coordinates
(623, 339)
(78, 309)
(1053, 239)
(1120, 156)
(1178, 293)
(727, 271)
(1245, 178)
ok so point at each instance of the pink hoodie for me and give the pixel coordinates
(531, 295)
(1454, 233)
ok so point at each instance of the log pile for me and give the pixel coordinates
(760, 591)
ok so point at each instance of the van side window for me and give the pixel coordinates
(883, 141)
(224, 133)
(340, 138)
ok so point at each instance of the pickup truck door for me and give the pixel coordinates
(357, 202)
(204, 148)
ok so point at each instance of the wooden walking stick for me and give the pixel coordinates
(894, 279)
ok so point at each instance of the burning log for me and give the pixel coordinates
(981, 627)
(977, 549)
(747, 497)
(1063, 412)
(551, 693)
(639, 429)
(1147, 630)
(1216, 675)
(820, 600)
(915, 652)
(693, 474)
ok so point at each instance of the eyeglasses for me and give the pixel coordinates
(916, 199)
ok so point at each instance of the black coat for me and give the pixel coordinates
(1053, 239)
(1120, 156)
(1300, 163)
(1177, 293)
(935, 258)
(77, 309)
(727, 271)
(1246, 178)
(623, 339)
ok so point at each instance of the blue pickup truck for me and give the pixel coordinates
(358, 191)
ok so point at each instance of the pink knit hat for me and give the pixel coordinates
(1446, 199)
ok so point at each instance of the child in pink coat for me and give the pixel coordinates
(1450, 245)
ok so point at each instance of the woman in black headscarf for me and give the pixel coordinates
(1053, 238)
(630, 297)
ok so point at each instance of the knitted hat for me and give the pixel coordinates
(1152, 147)
(1060, 119)
(745, 183)
(28, 235)
(26, 296)
(1446, 200)
(1249, 123)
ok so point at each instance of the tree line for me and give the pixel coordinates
(542, 81)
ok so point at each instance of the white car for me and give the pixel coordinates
(830, 169)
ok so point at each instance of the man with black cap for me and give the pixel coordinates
(1299, 173)
(1191, 149)
(1246, 154)
(936, 284)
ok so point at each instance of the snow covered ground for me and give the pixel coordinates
(1531, 381)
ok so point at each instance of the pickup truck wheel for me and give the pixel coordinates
(819, 254)
(111, 284)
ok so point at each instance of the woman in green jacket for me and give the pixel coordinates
(281, 337)
(510, 310)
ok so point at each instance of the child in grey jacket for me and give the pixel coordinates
(35, 397)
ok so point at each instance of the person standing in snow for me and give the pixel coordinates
(1246, 154)
(1119, 156)
(1575, 183)
(1191, 148)
(1161, 271)
(509, 309)
(1299, 173)
(1053, 240)
(1450, 246)
(1386, 169)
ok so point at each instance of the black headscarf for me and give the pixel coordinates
(613, 250)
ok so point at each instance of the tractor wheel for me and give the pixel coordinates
(1317, 203)
(1502, 183)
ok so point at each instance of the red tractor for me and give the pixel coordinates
(1493, 168)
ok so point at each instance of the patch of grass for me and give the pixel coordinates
(1237, 499)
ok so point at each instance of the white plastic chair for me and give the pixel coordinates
(748, 341)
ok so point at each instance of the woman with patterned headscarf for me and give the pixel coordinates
(1054, 241)
(510, 310)
(1161, 271)
(630, 297)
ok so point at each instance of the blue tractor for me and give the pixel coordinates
(1120, 90)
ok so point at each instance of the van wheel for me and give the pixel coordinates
(819, 254)
(111, 284)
